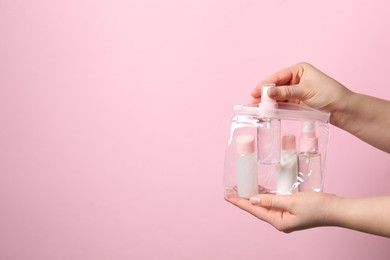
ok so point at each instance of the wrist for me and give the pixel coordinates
(332, 207)
(345, 106)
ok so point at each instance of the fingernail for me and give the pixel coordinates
(274, 92)
(254, 199)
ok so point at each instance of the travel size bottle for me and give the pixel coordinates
(268, 131)
(288, 167)
(246, 166)
(309, 159)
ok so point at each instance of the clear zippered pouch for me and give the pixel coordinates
(278, 149)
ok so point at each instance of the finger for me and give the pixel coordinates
(273, 216)
(286, 76)
(244, 204)
(241, 203)
(254, 102)
(256, 92)
(288, 92)
(290, 75)
(272, 201)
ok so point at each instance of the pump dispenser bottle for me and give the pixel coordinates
(288, 168)
(246, 166)
(309, 159)
(268, 131)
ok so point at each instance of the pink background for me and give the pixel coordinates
(114, 118)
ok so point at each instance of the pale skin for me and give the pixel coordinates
(366, 117)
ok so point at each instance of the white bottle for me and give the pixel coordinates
(268, 131)
(309, 159)
(246, 166)
(288, 167)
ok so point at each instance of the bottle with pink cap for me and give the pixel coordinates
(309, 159)
(246, 166)
(288, 167)
(268, 131)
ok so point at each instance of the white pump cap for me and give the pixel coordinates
(266, 101)
(308, 129)
(309, 141)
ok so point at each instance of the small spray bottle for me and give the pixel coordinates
(309, 159)
(247, 180)
(268, 131)
(288, 168)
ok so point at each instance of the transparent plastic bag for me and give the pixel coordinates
(276, 149)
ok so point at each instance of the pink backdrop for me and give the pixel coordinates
(114, 118)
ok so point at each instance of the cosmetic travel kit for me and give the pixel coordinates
(275, 147)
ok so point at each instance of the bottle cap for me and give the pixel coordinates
(266, 101)
(245, 144)
(289, 142)
(308, 129)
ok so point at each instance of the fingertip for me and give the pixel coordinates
(231, 199)
(227, 198)
(256, 92)
(254, 102)
(274, 92)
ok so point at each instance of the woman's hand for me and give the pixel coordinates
(304, 210)
(303, 83)
(366, 117)
(289, 213)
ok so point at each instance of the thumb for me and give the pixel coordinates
(287, 92)
(272, 201)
